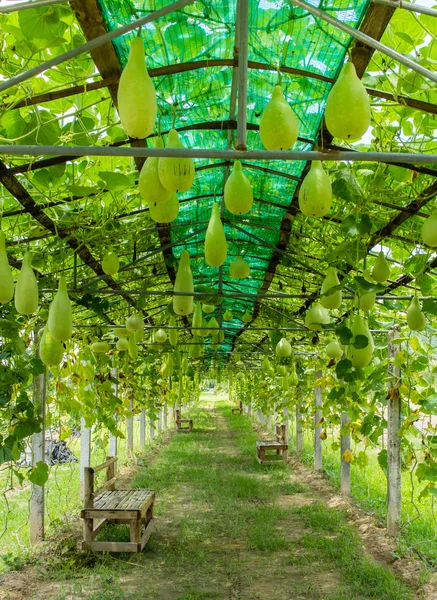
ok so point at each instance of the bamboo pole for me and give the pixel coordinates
(37, 505)
(144, 152)
(4, 10)
(394, 472)
(418, 8)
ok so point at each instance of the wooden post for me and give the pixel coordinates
(299, 436)
(286, 423)
(143, 428)
(113, 440)
(249, 408)
(259, 415)
(165, 417)
(394, 474)
(268, 422)
(85, 451)
(130, 432)
(38, 455)
(345, 469)
(152, 430)
(160, 422)
(317, 430)
(88, 489)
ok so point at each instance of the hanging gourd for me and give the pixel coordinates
(177, 358)
(51, 351)
(196, 347)
(278, 127)
(283, 348)
(361, 357)
(139, 335)
(184, 364)
(122, 345)
(315, 194)
(429, 230)
(121, 332)
(238, 194)
(247, 317)
(367, 299)
(416, 320)
(197, 320)
(265, 366)
(292, 378)
(381, 270)
(239, 268)
(60, 321)
(183, 305)
(316, 316)
(228, 316)
(173, 334)
(334, 350)
(165, 212)
(100, 347)
(110, 263)
(285, 383)
(6, 279)
(136, 94)
(215, 240)
(26, 289)
(331, 280)
(204, 332)
(213, 326)
(132, 347)
(176, 174)
(347, 113)
(151, 188)
(208, 308)
(160, 336)
(134, 323)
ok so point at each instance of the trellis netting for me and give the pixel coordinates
(200, 39)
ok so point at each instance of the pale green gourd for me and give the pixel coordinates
(136, 96)
(285, 383)
(239, 268)
(177, 358)
(121, 332)
(208, 308)
(51, 351)
(100, 347)
(164, 212)
(416, 320)
(205, 331)
(381, 270)
(183, 305)
(334, 350)
(151, 188)
(110, 263)
(367, 299)
(238, 193)
(247, 317)
(26, 289)
(228, 316)
(361, 357)
(173, 334)
(122, 345)
(132, 347)
(215, 240)
(316, 316)
(6, 279)
(278, 126)
(265, 365)
(347, 113)
(283, 348)
(60, 321)
(197, 320)
(176, 174)
(184, 364)
(213, 326)
(134, 323)
(139, 335)
(292, 378)
(429, 230)
(240, 376)
(315, 194)
(196, 349)
(331, 280)
(160, 336)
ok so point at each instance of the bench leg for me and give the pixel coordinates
(285, 456)
(88, 530)
(135, 531)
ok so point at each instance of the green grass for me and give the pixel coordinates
(368, 489)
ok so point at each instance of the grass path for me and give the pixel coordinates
(228, 529)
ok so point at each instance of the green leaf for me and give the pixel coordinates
(26, 428)
(39, 474)
(343, 369)
(429, 306)
(115, 181)
(6, 454)
(360, 342)
(429, 405)
(346, 187)
(41, 23)
(382, 460)
(368, 286)
(344, 333)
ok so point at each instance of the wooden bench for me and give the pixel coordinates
(180, 423)
(278, 445)
(238, 409)
(108, 505)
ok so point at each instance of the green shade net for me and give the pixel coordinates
(278, 34)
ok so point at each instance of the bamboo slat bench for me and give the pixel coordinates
(278, 445)
(180, 423)
(238, 409)
(108, 505)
